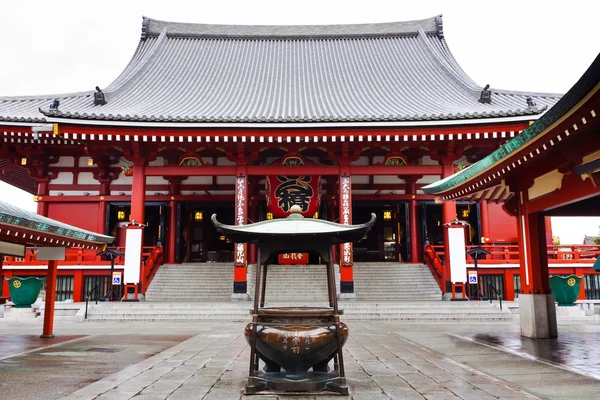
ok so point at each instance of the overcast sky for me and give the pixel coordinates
(65, 46)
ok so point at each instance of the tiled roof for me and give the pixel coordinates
(180, 72)
(15, 216)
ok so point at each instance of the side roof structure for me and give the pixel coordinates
(21, 226)
(358, 74)
(553, 129)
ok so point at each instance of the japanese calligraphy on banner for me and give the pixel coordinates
(285, 191)
(241, 208)
(293, 258)
(346, 216)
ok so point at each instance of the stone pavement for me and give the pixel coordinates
(383, 361)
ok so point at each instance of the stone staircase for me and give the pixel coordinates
(422, 311)
(192, 282)
(372, 282)
(384, 292)
(395, 281)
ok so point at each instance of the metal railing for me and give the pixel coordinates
(491, 288)
(87, 298)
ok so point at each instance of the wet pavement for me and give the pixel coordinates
(578, 352)
(162, 360)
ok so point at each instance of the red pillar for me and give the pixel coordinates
(172, 236)
(533, 251)
(171, 243)
(346, 252)
(536, 303)
(138, 193)
(448, 215)
(485, 220)
(5, 274)
(413, 228)
(138, 214)
(101, 217)
(240, 285)
(78, 286)
(50, 297)
(42, 191)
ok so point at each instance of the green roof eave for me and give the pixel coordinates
(584, 85)
(17, 217)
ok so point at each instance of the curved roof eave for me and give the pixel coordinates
(278, 125)
(587, 84)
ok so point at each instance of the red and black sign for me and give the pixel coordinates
(283, 192)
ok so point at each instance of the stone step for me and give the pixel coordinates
(373, 281)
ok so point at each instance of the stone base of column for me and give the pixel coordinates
(538, 316)
(240, 297)
(346, 296)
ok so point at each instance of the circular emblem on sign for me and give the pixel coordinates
(17, 284)
(571, 282)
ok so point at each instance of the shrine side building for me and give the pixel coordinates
(246, 121)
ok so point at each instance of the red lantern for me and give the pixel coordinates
(282, 192)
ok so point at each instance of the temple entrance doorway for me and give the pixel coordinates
(389, 240)
(197, 239)
(118, 216)
(432, 228)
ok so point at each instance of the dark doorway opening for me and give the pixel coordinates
(118, 215)
(389, 240)
(197, 238)
(432, 231)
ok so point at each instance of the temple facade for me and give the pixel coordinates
(247, 121)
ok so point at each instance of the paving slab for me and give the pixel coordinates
(394, 360)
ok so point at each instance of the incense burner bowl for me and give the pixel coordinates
(295, 341)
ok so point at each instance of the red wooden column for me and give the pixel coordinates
(47, 331)
(413, 228)
(346, 256)
(138, 215)
(171, 244)
(448, 215)
(485, 220)
(104, 191)
(138, 193)
(536, 303)
(42, 192)
(240, 268)
(7, 275)
(533, 253)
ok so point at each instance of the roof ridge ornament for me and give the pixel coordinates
(486, 95)
(145, 26)
(439, 25)
(99, 98)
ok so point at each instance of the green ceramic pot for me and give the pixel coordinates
(565, 288)
(24, 291)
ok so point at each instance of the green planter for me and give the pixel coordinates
(24, 291)
(565, 288)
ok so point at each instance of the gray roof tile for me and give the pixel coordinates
(353, 73)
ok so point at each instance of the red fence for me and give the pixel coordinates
(152, 258)
(509, 254)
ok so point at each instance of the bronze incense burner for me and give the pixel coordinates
(295, 344)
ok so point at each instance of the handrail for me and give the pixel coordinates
(87, 298)
(434, 263)
(492, 288)
(152, 263)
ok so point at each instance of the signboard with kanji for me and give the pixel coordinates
(293, 258)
